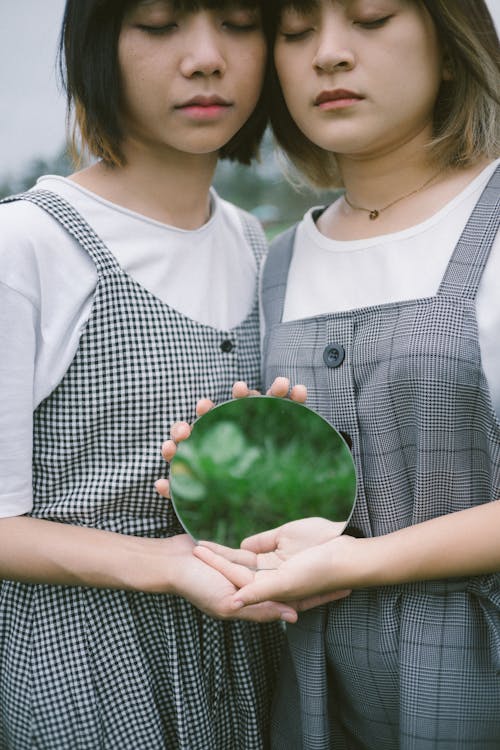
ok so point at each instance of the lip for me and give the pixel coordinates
(204, 107)
(337, 99)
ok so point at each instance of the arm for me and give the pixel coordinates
(38, 551)
(466, 543)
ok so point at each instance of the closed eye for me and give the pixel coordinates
(157, 30)
(377, 23)
(295, 36)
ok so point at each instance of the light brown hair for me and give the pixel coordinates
(467, 110)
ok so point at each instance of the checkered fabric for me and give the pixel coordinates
(89, 669)
(416, 666)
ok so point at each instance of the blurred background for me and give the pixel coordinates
(32, 120)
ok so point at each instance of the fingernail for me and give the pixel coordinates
(238, 604)
(288, 617)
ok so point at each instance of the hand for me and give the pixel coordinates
(182, 430)
(211, 592)
(269, 551)
(305, 580)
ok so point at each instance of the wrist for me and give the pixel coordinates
(153, 565)
(357, 564)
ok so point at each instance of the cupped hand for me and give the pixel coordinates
(212, 593)
(306, 579)
(269, 552)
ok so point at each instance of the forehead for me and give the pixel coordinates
(191, 6)
(306, 6)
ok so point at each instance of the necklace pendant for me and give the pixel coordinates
(374, 214)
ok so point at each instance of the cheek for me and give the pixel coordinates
(289, 70)
(249, 66)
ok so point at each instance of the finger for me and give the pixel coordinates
(280, 387)
(266, 586)
(238, 575)
(266, 612)
(239, 556)
(299, 394)
(203, 406)
(266, 541)
(240, 390)
(180, 431)
(168, 450)
(163, 487)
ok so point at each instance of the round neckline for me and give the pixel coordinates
(214, 206)
(309, 220)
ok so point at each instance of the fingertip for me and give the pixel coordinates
(240, 389)
(280, 387)
(203, 406)
(289, 617)
(180, 431)
(299, 393)
(168, 449)
(162, 486)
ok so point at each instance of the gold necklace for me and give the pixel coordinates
(374, 213)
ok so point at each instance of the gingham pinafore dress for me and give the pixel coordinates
(417, 666)
(89, 669)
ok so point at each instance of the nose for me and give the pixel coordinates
(333, 52)
(204, 52)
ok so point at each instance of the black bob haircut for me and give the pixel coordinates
(88, 64)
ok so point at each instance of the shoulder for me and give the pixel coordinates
(281, 250)
(34, 248)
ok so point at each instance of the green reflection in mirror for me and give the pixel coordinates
(255, 463)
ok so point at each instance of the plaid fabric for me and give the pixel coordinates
(92, 669)
(416, 666)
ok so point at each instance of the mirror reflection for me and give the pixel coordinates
(253, 464)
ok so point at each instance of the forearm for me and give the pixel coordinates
(38, 551)
(460, 544)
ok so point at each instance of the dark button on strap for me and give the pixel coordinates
(334, 355)
(227, 346)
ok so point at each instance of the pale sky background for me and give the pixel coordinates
(32, 109)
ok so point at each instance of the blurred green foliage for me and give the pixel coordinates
(258, 464)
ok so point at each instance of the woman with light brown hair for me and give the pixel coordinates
(385, 305)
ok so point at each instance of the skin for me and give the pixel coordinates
(165, 60)
(170, 160)
(395, 66)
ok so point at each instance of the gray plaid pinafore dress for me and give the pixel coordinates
(416, 666)
(90, 669)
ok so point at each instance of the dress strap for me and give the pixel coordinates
(464, 271)
(273, 283)
(74, 223)
(254, 235)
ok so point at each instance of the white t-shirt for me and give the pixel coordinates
(328, 276)
(47, 283)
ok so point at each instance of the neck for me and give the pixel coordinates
(375, 182)
(172, 187)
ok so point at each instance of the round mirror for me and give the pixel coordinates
(255, 463)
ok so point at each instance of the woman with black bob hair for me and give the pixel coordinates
(128, 291)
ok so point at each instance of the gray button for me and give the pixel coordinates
(334, 355)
